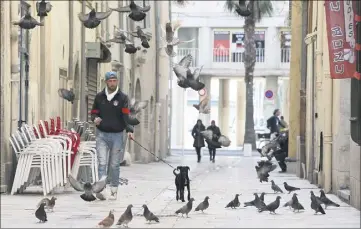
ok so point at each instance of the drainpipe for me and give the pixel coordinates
(26, 58)
(121, 52)
(156, 110)
(170, 84)
(327, 93)
(82, 103)
(22, 49)
(70, 57)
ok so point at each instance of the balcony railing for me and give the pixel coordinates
(285, 55)
(181, 52)
(226, 55)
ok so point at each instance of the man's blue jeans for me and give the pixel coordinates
(109, 148)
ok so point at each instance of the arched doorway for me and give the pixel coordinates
(138, 129)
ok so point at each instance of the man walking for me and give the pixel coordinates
(273, 123)
(107, 113)
(216, 134)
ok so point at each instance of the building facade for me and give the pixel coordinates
(331, 157)
(218, 47)
(37, 62)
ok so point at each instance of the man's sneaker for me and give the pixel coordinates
(113, 193)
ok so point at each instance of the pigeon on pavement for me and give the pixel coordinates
(296, 204)
(40, 213)
(93, 18)
(186, 208)
(275, 187)
(290, 188)
(315, 205)
(257, 202)
(126, 217)
(148, 215)
(203, 205)
(137, 13)
(318, 199)
(326, 201)
(108, 221)
(272, 207)
(289, 203)
(261, 197)
(28, 22)
(49, 203)
(88, 188)
(234, 203)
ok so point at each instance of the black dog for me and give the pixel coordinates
(181, 180)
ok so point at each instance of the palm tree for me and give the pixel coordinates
(257, 10)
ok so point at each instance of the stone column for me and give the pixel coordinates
(223, 106)
(241, 112)
(270, 104)
(205, 46)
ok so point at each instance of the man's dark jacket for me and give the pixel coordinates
(272, 124)
(111, 112)
(217, 132)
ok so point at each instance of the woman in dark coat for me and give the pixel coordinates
(198, 138)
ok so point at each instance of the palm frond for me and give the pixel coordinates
(230, 6)
(261, 9)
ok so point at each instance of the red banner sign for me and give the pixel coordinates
(341, 28)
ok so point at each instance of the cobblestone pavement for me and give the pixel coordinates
(153, 184)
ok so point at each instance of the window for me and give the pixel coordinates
(237, 46)
(260, 45)
(221, 43)
(285, 46)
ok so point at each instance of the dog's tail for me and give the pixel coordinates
(175, 174)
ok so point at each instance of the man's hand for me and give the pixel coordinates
(130, 136)
(97, 121)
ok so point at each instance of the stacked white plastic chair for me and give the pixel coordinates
(40, 153)
(86, 155)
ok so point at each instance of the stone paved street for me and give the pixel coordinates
(153, 184)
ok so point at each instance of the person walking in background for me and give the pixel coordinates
(216, 134)
(198, 138)
(107, 113)
(273, 123)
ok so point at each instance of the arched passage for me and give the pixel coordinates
(138, 129)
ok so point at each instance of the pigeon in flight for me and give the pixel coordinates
(93, 18)
(222, 140)
(181, 69)
(49, 203)
(137, 13)
(108, 221)
(28, 22)
(193, 79)
(66, 94)
(315, 205)
(203, 107)
(143, 36)
(134, 108)
(234, 203)
(242, 9)
(119, 37)
(181, 3)
(203, 205)
(170, 39)
(88, 188)
(40, 213)
(290, 188)
(148, 215)
(126, 217)
(326, 201)
(43, 8)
